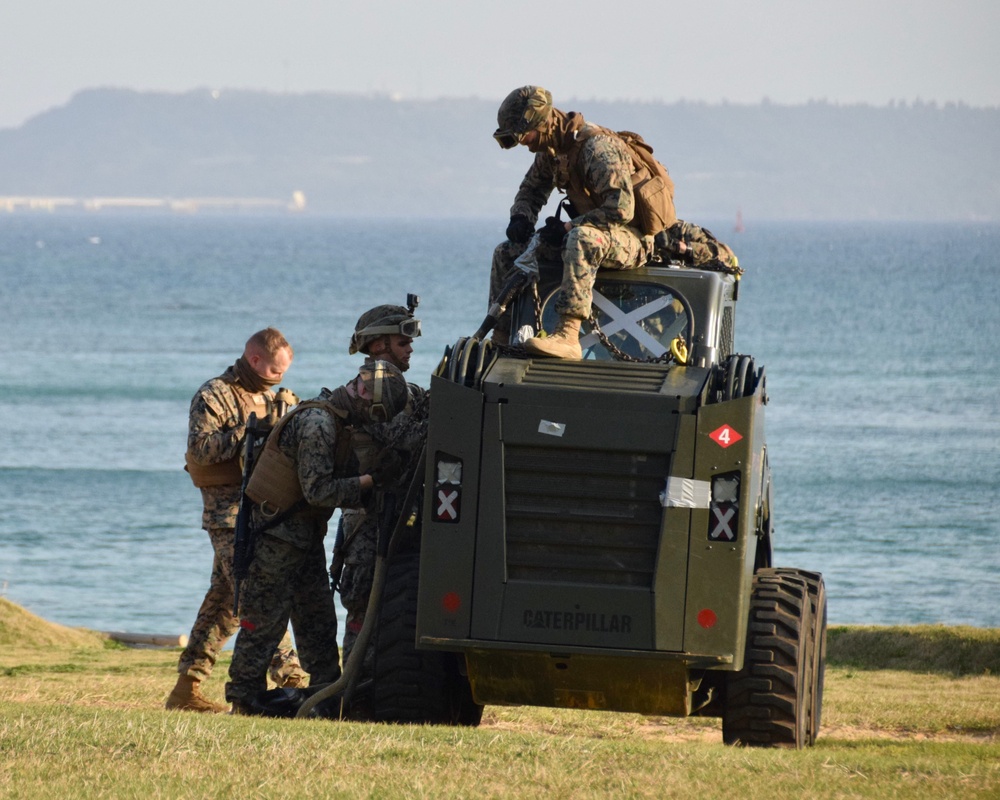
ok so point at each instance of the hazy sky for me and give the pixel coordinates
(790, 51)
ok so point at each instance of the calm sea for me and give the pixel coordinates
(880, 343)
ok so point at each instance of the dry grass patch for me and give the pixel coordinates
(83, 717)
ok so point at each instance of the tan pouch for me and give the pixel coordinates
(225, 473)
(274, 484)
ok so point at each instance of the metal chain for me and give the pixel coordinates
(538, 303)
(619, 354)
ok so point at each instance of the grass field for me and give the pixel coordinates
(908, 713)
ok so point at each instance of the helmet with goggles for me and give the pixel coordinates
(525, 109)
(386, 387)
(383, 321)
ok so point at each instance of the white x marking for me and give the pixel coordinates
(629, 322)
(722, 529)
(446, 503)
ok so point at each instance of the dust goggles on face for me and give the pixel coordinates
(507, 139)
(408, 327)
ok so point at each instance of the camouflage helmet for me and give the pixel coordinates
(387, 389)
(525, 109)
(380, 321)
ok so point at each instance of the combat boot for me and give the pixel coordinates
(187, 696)
(286, 670)
(564, 342)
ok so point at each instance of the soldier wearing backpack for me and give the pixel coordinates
(620, 198)
(306, 469)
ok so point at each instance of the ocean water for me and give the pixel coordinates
(879, 340)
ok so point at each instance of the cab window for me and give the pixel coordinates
(640, 319)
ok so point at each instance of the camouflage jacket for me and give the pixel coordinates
(309, 439)
(599, 170)
(406, 432)
(216, 427)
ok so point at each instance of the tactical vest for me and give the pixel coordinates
(274, 484)
(230, 471)
(652, 186)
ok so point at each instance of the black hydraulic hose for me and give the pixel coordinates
(512, 287)
(352, 669)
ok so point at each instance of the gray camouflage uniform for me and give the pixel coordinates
(215, 433)
(288, 577)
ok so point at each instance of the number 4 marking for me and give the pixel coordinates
(725, 436)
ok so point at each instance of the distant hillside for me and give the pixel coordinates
(372, 155)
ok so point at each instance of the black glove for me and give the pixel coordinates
(553, 233)
(389, 467)
(520, 229)
(671, 248)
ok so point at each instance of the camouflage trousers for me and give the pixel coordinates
(216, 623)
(360, 541)
(504, 256)
(587, 249)
(285, 583)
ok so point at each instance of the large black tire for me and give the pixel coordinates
(767, 702)
(817, 598)
(410, 685)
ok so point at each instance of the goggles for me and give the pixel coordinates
(408, 327)
(507, 139)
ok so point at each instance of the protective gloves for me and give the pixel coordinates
(520, 229)
(553, 233)
(389, 467)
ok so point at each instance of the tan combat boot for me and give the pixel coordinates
(187, 696)
(286, 670)
(564, 342)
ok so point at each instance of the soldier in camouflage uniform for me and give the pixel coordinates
(594, 166)
(387, 333)
(217, 423)
(305, 471)
(695, 246)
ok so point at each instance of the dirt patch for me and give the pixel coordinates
(668, 729)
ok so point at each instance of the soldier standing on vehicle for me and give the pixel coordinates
(619, 197)
(217, 424)
(384, 332)
(305, 471)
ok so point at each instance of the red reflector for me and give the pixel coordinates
(451, 602)
(707, 618)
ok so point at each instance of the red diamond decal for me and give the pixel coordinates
(725, 436)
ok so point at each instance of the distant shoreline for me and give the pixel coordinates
(378, 155)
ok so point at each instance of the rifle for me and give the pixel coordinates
(243, 546)
(337, 563)
(517, 281)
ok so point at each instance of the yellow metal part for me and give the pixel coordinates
(640, 685)
(679, 350)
